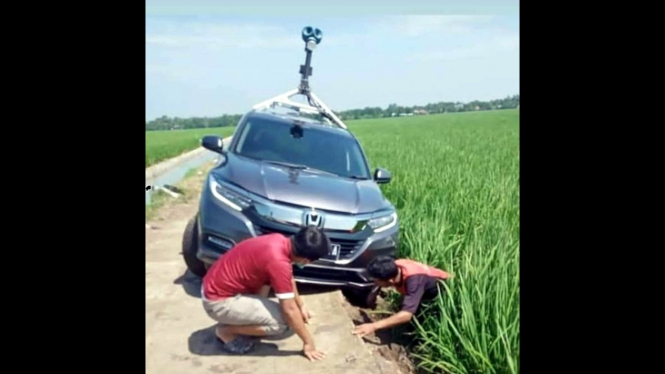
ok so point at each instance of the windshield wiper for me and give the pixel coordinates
(287, 164)
(321, 171)
(357, 177)
(300, 167)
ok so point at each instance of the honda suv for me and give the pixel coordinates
(281, 172)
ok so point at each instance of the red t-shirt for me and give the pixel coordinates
(248, 266)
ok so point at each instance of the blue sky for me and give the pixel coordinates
(219, 64)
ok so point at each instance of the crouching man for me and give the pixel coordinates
(235, 290)
(415, 281)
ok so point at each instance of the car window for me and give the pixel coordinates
(274, 141)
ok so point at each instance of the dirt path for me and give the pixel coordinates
(180, 337)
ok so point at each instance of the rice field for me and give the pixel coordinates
(162, 145)
(456, 187)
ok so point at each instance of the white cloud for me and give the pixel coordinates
(163, 40)
(175, 72)
(219, 35)
(507, 42)
(413, 26)
(175, 34)
(497, 44)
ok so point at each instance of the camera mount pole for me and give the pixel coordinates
(312, 37)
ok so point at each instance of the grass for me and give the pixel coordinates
(189, 185)
(456, 187)
(162, 145)
(157, 200)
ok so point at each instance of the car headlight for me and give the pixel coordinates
(383, 223)
(229, 197)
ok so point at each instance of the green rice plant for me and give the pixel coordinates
(162, 145)
(456, 188)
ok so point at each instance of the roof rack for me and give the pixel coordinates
(312, 37)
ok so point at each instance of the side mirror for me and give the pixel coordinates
(213, 143)
(382, 176)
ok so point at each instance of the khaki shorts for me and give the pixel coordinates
(248, 310)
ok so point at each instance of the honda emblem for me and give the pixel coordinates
(313, 218)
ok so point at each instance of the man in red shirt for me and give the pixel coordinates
(235, 289)
(415, 281)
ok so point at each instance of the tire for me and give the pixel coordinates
(190, 247)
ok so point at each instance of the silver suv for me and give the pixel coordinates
(282, 172)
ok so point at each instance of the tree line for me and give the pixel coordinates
(392, 110)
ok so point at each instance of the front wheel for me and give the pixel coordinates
(190, 247)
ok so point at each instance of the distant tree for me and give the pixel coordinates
(509, 102)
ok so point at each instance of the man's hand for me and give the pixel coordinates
(364, 329)
(295, 319)
(306, 315)
(311, 353)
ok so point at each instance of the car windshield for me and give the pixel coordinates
(280, 142)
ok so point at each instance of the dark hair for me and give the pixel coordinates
(382, 268)
(311, 243)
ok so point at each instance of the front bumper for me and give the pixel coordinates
(220, 228)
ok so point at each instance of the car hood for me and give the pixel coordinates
(304, 188)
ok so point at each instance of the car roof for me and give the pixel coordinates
(303, 121)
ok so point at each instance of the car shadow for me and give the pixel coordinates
(191, 284)
(313, 289)
(307, 289)
(204, 343)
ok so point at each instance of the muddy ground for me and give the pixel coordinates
(387, 344)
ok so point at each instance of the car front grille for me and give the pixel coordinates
(347, 247)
